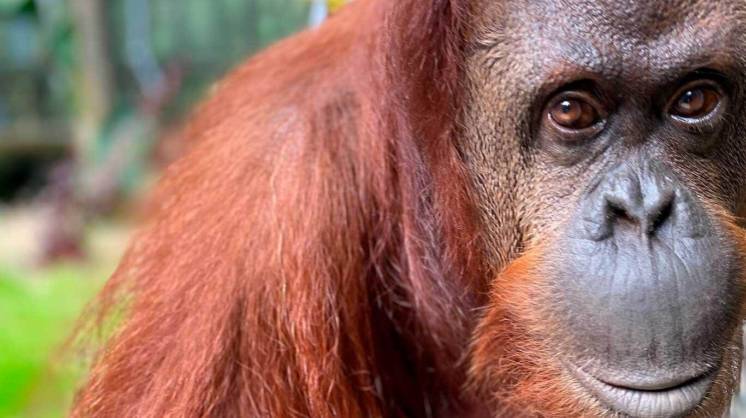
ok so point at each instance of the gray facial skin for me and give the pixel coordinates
(646, 277)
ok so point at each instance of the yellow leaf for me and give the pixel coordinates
(335, 4)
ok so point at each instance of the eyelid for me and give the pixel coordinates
(700, 75)
(706, 73)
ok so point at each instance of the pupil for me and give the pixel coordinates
(566, 106)
(688, 97)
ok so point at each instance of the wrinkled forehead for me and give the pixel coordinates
(640, 19)
(617, 36)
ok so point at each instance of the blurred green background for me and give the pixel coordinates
(92, 93)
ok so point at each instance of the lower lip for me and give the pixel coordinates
(673, 402)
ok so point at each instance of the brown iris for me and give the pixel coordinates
(696, 102)
(574, 113)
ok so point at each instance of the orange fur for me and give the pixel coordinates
(309, 255)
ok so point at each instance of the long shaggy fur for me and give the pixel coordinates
(310, 255)
(315, 252)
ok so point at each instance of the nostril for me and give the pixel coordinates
(617, 213)
(660, 213)
(644, 213)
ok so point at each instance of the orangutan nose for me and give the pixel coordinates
(642, 204)
(639, 200)
(649, 280)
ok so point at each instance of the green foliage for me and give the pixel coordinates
(37, 313)
(11, 7)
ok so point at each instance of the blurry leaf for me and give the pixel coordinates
(335, 4)
(13, 7)
(27, 7)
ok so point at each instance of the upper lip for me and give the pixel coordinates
(648, 398)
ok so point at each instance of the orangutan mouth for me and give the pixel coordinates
(673, 397)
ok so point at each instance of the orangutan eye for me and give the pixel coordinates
(574, 113)
(695, 101)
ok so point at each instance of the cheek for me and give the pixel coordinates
(512, 362)
(495, 170)
(718, 176)
(551, 196)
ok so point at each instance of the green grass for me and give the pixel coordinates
(38, 310)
